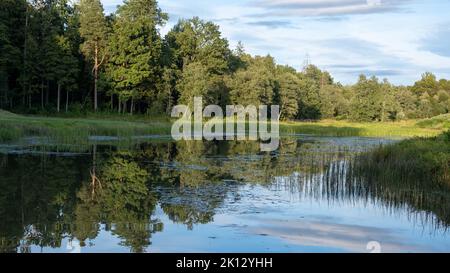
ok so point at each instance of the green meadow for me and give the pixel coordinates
(74, 130)
(400, 129)
(78, 129)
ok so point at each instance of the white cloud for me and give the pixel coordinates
(327, 7)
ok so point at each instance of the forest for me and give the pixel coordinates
(56, 56)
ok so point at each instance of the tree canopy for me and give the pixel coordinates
(56, 50)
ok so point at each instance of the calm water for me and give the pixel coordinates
(162, 196)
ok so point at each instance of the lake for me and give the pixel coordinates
(157, 195)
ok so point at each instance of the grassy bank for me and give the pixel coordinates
(77, 130)
(439, 122)
(413, 172)
(74, 130)
(347, 128)
(419, 162)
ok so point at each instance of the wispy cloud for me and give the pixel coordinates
(438, 41)
(326, 7)
(271, 23)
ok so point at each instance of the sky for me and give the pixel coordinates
(394, 39)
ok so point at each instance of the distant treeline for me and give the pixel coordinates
(55, 56)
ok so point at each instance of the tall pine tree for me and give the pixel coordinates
(94, 31)
(136, 51)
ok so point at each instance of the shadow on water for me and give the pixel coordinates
(50, 196)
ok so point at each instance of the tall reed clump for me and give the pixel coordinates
(414, 162)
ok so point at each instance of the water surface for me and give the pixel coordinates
(165, 196)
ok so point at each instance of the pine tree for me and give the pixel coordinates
(12, 26)
(136, 51)
(66, 69)
(287, 91)
(45, 28)
(94, 31)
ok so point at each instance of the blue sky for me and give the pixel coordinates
(394, 39)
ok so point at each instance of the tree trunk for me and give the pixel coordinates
(95, 76)
(42, 94)
(67, 101)
(29, 96)
(112, 102)
(132, 106)
(4, 84)
(383, 115)
(25, 53)
(59, 98)
(47, 93)
(169, 104)
(95, 91)
(120, 105)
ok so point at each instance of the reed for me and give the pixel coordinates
(419, 161)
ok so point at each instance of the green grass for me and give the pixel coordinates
(439, 122)
(113, 116)
(6, 114)
(424, 162)
(74, 130)
(77, 130)
(346, 128)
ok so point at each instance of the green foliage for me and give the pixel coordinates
(366, 105)
(66, 66)
(377, 101)
(49, 47)
(199, 58)
(135, 50)
(287, 92)
(427, 84)
(11, 33)
(93, 28)
(195, 40)
(446, 135)
(255, 84)
(196, 80)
